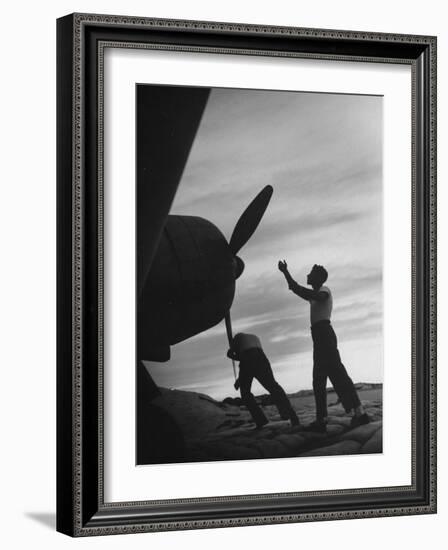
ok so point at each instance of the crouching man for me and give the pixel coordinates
(246, 348)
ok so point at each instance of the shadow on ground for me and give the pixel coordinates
(48, 519)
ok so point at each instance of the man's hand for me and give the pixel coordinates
(292, 285)
(283, 266)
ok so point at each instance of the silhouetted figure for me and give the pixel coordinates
(326, 358)
(246, 348)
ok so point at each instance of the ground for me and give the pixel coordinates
(216, 430)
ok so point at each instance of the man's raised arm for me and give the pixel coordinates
(303, 292)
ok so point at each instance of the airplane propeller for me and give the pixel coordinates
(243, 231)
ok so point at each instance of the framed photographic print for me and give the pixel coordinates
(246, 274)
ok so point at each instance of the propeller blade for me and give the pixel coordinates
(229, 328)
(250, 219)
(230, 338)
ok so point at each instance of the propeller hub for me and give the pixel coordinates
(238, 266)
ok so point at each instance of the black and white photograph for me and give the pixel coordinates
(246, 248)
(259, 269)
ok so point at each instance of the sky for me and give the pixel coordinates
(322, 153)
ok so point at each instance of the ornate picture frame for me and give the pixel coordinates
(81, 506)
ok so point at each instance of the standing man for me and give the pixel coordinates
(246, 348)
(327, 361)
